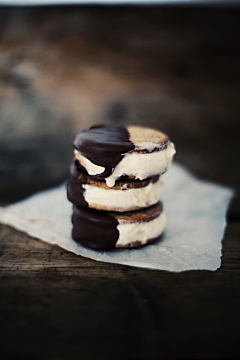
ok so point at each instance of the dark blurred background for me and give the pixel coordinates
(65, 68)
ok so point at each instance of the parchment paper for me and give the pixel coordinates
(196, 219)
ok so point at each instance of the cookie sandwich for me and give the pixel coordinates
(118, 170)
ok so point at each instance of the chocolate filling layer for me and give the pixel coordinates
(104, 146)
(95, 229)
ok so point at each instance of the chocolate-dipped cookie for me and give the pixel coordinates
(108, 230)
(125, 195)
(111, 152)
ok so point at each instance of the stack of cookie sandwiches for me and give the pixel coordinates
(115, 186)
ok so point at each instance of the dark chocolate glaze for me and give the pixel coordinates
(75, 193)
(95, 229)
(104, 146)
(75, 190)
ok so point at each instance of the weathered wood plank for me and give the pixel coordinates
(56, 304)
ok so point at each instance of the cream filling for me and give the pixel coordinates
(124, 199)
(141, 231)
(91, 168)
(139, 165)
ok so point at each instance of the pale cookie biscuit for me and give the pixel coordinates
(139, 135)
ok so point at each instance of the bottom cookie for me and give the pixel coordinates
(108, 230)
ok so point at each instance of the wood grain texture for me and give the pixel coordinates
(55, 304)
(62, 69)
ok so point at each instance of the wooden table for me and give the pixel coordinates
(55, 305)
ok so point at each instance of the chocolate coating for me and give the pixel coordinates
(98, 229)
(75, 193)
(104, 146)
(75, 190)
(95, 229)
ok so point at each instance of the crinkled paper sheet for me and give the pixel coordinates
(196, 219)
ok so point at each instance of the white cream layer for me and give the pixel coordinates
(124, 199)
(141, 166)
(91, 168)
(142, 231)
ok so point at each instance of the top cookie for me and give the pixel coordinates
(140, 136)
(111, 152)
